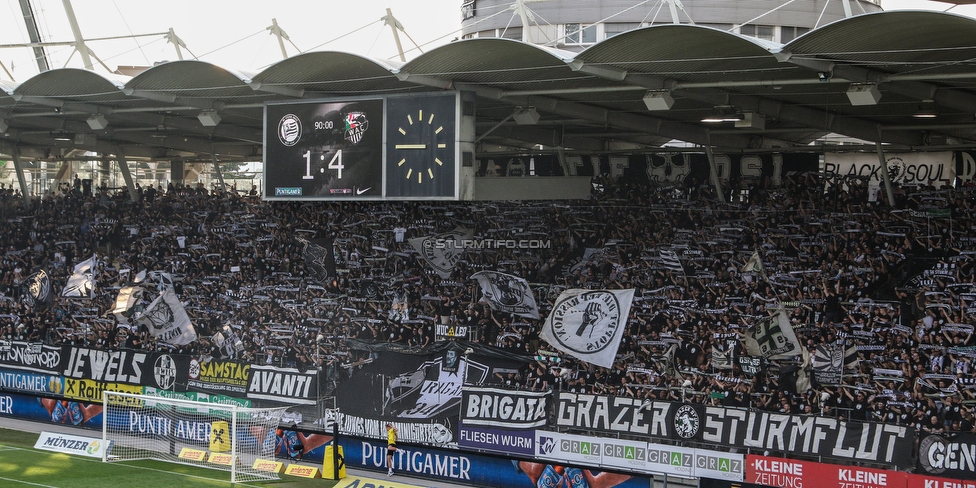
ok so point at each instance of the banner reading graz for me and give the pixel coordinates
(739, 428)
(28, 356)
(497, 407)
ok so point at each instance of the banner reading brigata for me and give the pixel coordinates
(739, 428)
(497, 407)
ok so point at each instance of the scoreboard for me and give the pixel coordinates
(386, 147)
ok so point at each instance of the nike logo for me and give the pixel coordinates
(361, 191)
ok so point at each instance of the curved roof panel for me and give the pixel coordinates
(332, 72)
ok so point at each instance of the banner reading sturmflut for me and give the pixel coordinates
(588, 324)
(507, 293)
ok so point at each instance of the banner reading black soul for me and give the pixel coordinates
(734, 427)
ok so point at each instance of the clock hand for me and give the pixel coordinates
(411, 146)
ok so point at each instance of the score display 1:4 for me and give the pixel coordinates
(334, 163)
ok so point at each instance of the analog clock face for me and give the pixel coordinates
(421, 147)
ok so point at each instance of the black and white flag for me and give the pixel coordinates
(829, 362)
(723, 359)
(671, 261)
(443, 251)
(588, 324)
(772, 338)
(167, 321)
(81, 283)
(319, 256)
(37, 290)
(507, 293)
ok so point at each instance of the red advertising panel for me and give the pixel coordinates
(779, 472)
(926, 481)
(792, 473)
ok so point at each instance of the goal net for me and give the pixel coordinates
(212, 435)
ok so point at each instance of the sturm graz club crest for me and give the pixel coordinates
(289, 130)
(686, 422)
(586, 323)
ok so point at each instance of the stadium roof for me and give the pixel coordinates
(868, 78)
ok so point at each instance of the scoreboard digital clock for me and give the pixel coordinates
(396, 147)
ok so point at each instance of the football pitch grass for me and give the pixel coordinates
(23, 466)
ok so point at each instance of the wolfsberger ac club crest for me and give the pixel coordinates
(686, 422)
(586, 323)
(356, 125)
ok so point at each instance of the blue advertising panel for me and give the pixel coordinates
(79, 414)
(517, 443)
(22, 381)
(482, 470)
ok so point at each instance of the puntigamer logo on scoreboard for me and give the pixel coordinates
(288, 191)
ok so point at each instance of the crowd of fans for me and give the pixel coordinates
(893, 283)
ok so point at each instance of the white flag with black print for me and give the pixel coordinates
(167, 321)
(81, 283)
(772, 338)
(507, 293)
(588, 324)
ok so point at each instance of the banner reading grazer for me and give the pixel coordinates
(496, 407)
(739, 428)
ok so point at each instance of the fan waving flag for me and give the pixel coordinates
(772, 338)
(81, 283)
(507, 293)
(167, 321)
(589, 324)
(319, 256)
(37, 290)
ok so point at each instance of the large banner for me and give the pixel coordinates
(588, 324)
(931, 168)
(739, 428)
(424, 385)
(27, 356)
(497, 407)
(950, 455)
(126, 367)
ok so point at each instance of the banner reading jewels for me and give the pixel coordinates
(739, 428)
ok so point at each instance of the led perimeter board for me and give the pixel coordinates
(389, 147)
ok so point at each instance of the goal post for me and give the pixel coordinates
(211, 435)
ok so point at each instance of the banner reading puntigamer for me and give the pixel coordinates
(640, 457)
